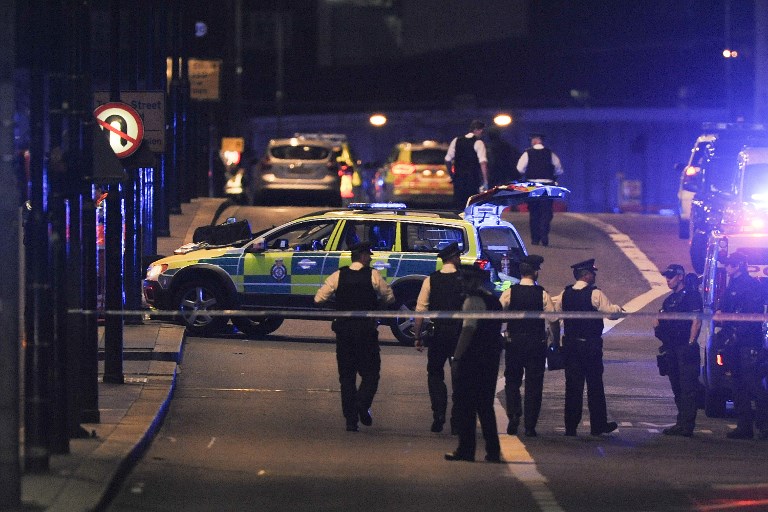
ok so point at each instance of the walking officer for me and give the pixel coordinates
(743, 295)
(526, 349)
(440, 291)
(583, 346)
(468, 157)
(541, 165)
(680, 350)
(357, 287)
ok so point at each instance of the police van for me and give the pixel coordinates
(283, 267)
(715, 375)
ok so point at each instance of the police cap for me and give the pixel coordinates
(672, 270)
(585, 265)
(737, 259)
(361, 248)
(449, 251)
(534, 260)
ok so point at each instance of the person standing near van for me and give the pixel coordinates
(541, 165)
(680, 348)
(468, 157)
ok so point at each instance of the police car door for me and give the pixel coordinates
(381, 234)
(288, 272)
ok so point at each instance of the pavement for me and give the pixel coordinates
(131, 413)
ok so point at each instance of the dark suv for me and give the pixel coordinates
(710, 176)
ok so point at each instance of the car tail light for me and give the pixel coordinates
(403, 169)
(691, 170)
(482, 264)
(719, 359)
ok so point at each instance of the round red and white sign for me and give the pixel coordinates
(124, 125)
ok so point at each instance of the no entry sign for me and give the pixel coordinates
(125, 127)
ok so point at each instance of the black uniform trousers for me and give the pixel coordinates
(584, 363)
(357, 352)
(465, 185)
(524, 356)
(540, 218)
(473, 398)
(438, 352)
(683, 366)
(748, 384)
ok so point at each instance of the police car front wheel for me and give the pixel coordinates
(196, 301)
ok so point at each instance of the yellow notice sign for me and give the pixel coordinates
(233, 144)
(204, 78)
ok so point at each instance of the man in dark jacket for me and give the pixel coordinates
(502, 158)
(583, 346)
(743, 295)
(357, 287)
(680, 349)
(526, 349)
(440, 291)
(467, 156)
(541, 165)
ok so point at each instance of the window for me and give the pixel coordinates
(431, 238)
(307, 236)
(428, 156)
(300, 152)
(380, 234)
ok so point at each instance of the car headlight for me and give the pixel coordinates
(154, 271)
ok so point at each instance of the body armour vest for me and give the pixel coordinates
(526, 298)
(485, 342)
(445, 295)
(465, 158)
(580, 300)
(355, 293)
(539, 165)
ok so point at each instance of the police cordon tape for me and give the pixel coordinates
(327, 314)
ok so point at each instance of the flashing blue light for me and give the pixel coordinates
(377, 206)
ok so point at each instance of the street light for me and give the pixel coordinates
(502, 120)
(378, 119)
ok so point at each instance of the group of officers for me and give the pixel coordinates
(473, 347)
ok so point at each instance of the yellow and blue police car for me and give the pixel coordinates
(283, 267)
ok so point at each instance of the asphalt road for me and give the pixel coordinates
(256, 424)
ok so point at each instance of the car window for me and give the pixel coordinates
(303, 152)
(428, 156)
(430, 238)
(500, 240)
(306, 236)
(381, 234)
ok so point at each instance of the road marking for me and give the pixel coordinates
(520, 464)
(644, 265)
(213, 440)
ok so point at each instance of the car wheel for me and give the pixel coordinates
(195, 301)
(403, 326)
(698, 251)
(258, 326)
(714, 403)
(683, 228)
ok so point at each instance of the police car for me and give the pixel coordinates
(283, 267)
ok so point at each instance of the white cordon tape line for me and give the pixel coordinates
(311, 314)
(638, 258)
(520, 464)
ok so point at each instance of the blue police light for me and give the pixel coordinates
(377, 206)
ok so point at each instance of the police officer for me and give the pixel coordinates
(583, 346)
(440, 291)
(526, 350)
(743, 295)
(541, 165)
(357, 287)
(680, 349)
(476, 366)
(470, 164)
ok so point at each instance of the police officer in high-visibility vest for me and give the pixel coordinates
(746, 354)
(583, 347)
(440, 291)
(357, 287)
(541, 165)
(526, 349)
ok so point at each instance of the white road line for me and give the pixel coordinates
(213, 440)
(638, 258)
(519, 462)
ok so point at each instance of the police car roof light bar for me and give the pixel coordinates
(377, 206)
